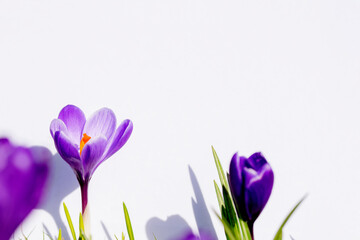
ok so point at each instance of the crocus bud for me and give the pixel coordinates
(251, 181)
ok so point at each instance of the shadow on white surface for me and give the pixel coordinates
(62, 182)
(201, 213)
(106, 231)
(174, 227)
(170, 229)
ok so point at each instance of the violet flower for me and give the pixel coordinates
(23, 174)
(203, 236)
(85, 144)
(251, 181)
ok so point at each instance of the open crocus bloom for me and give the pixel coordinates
(85, 144)
(23, 173)
(251, 181)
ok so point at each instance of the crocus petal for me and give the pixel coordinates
(57, 125)
(21, 187)
(92, 155)
(6, 149)
(119, 138)
(236, 183)
(74, 120)
(258, 187)
(101, 123)
(68, 151)
(256, 161)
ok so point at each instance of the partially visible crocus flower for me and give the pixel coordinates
(203, 236)
(85, 144)
(251, 181)
(23, 175)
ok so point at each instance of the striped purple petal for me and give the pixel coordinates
(74, 119)
(119, 138)
(101, 123)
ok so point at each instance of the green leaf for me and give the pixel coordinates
(278, 235)
(228, 230)
(245, 230)
(220, 170)
(123, 236)
(219, 195)
(59, 237)
(226, 204)
(116, 237)
(154, 236)
(71, 226)
(128, 223)
(231, 216)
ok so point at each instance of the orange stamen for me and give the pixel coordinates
(83, 141)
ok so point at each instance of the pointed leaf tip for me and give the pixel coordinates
(68, 218)
(278, 235)
(128, 223)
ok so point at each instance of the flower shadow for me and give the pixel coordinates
(170, 229)
(61, 183)
(174, 227)
(201, 213)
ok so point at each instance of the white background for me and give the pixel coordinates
(279, 76)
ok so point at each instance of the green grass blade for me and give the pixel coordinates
(68, 218)
(219, 195)
(123, 236)
(59, 237)
(278, 235)
(116, 237)
(245, 230)
(231, 216)
(128, 223)
(154, 236)
(228, 230)
(220, 170)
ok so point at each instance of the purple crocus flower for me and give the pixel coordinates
(23, 173)
(251, 181)
(85, 144)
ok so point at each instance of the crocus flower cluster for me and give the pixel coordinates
(251, 181)
(23, 174)
(85, 144)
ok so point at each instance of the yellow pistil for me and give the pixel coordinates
(83, 141)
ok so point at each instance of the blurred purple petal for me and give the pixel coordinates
(23, 174)
(101, 123)
(203, 236)
(74, 120)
